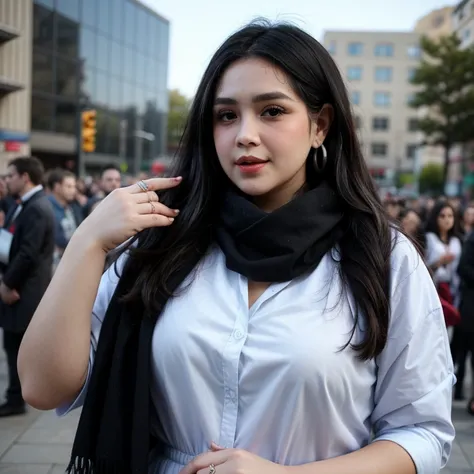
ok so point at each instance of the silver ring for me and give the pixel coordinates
(212, 469)
(143, 186)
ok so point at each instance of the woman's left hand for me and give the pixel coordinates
(231, 461)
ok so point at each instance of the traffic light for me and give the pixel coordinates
(89, 130)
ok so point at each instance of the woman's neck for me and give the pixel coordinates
(444, 236)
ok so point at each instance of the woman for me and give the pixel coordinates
(443, 251)
(272, 325)
(468, 220)
(410, 222)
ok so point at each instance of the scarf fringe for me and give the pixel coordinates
(81, 465)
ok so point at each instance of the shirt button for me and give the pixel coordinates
(238, 334)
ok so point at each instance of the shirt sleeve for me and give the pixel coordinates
(107, 286)
(413, 394)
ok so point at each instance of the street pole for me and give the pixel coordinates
(137, 161)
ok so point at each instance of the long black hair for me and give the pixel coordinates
(432, 222)
(366, 247)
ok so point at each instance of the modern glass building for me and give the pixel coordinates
(109, 55)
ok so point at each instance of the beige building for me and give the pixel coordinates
(463, 22)
(436, 24)
(15, 78)
(377, 67)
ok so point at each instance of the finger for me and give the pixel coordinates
(156, 208)
(146, 197)
(216, 447)
(203, 461)
(156, 184)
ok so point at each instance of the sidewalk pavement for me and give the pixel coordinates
(40, 442)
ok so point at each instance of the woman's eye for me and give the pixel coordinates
(273, 111)
(226, 116)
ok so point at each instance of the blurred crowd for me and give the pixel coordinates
(442, 229)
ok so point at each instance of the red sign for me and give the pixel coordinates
(13, 146)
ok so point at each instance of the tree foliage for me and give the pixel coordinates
(431, 179)
(177, 116)
(445, 80)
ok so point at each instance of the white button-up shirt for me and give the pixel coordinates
(273, 379)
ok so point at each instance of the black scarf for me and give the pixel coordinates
(113, 435)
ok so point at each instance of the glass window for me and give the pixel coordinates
(46, 3)
(141, 69)
(164, 41)
(383, 49)
(102, 89)
(87, 85)
(116, 59)
(42, 111)
(104, 16)
(163, 101)
(88, 47)
(130, 23)
(383, 74)
(151, 74)
(414, 51)
(379, 149)
(115, 93)
(117, 21)
(66, 78)
(355, 97)
(355, 49)
(69, 8)
(354, 73)
(103, 54)
(90, 12)
(43, 27)
(380, 123)
(114, 134)
(66, 116)
(128, 95)
(102, 131)
(411, 152)
(129, 63)
(413, 125)
(411, 73)
(382, 99)
(42, 79)
(331, 47)
(67, 42)
(142, 30)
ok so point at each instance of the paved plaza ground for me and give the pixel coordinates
(40, 442)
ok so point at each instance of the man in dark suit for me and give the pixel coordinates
(29, 269)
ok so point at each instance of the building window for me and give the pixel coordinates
(466, 34)
(414, 51)
(43, 27)
(67, 40)
(46, 3)
(66, 78)
(413, 125)
(355, 49)
(69, 8)
(42, 79)
(355, 97)
(384, 49)
(411, 152)
(438, 21)
(382, 99)
(354, 73)
(379, 149)
(411, 73)
(357, 122)
(66, 116)
(89, 12)
(42, 112)
(380, 123)
(383, 74)
(331, 47)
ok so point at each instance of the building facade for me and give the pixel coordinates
(377, 67)
(15, 79)
(436, 23)
(463, 22)
(60, 57)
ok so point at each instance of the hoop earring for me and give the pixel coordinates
(320, 161)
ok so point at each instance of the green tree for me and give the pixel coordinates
(445, 78)
(432, 179)
(177, 116)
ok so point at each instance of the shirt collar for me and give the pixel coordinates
(31, 193)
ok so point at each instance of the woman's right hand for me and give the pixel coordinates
(446, 259)
(127, 211)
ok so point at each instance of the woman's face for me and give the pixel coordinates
(446, 219)
(411, 223)
(263, 132)
(469, 216)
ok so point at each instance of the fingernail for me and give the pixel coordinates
(170, 219)
(176, 211)
(178, 178)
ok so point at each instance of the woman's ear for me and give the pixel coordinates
(322, 124)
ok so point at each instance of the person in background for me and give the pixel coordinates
(29, 271)
(110, 179)
(68, 214)
(468, 220)
(411, 224)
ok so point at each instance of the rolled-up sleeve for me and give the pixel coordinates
(415, 377)
(107, 286)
